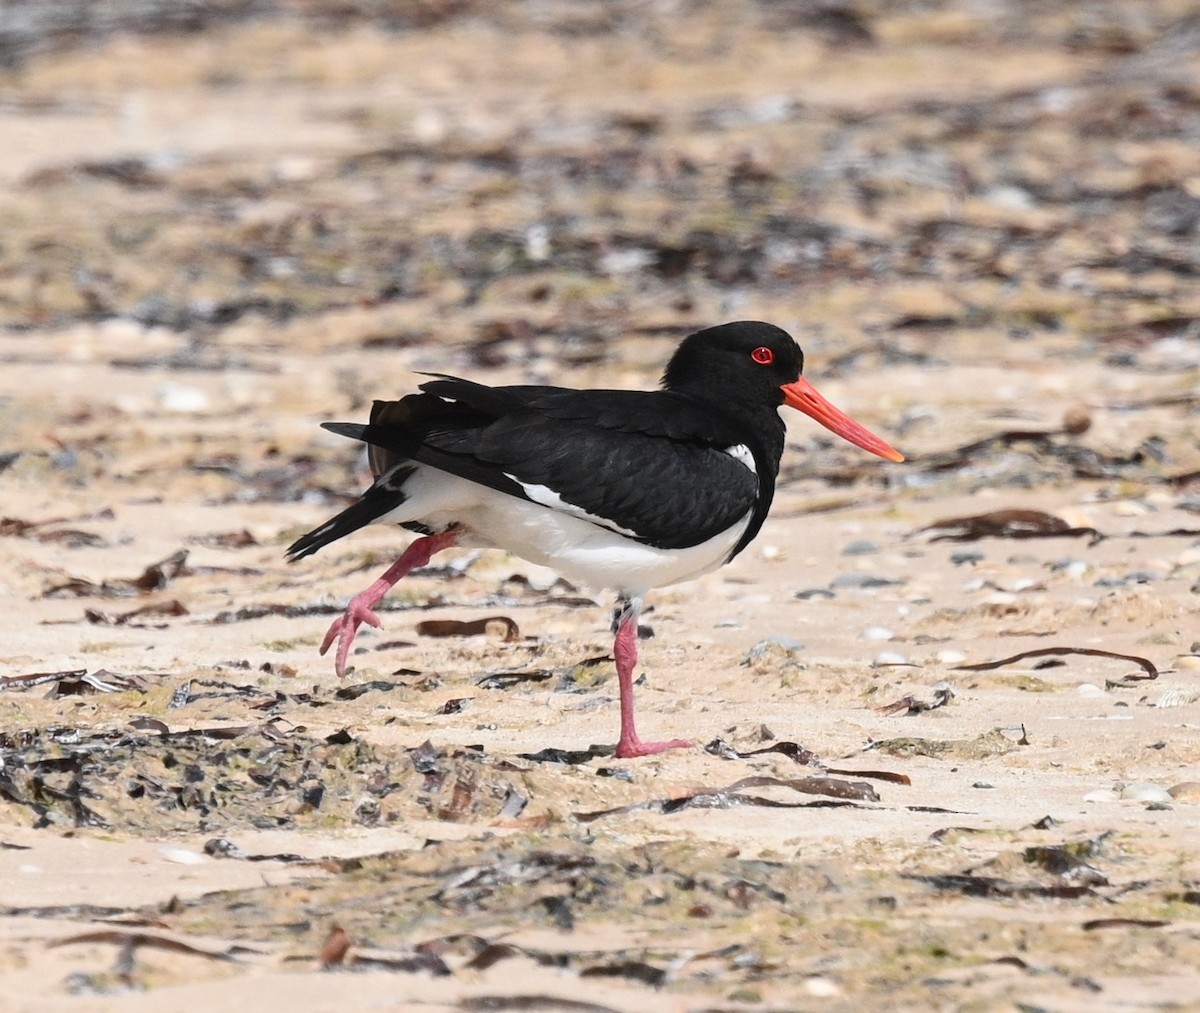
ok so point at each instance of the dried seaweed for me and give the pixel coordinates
(792, 750)
(1013, 523)
(353, 692)
(992, 743)
(250, 612)
(1094, 924)
(1145, 664)
(970, 885)
(831, 786)
(39, 678)
(497, 627)
(875, 775)
(100, 681)
(150, 940)
(468, 885)
(910, 705)
(72, 538)
(1066, 861)
(506, 680)
(77, 681)
(552, 754)
(413, 963)
(240, 539)
(154, 577)
(731, 797)
(636, 970)
(526, 1003)
(174, 607)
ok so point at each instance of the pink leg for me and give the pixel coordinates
(360, 609)
(626, 652)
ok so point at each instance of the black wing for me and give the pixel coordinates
(647, 463)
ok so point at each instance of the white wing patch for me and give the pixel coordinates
(543, 495)
(742, 453)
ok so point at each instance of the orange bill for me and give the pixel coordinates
(802, 396)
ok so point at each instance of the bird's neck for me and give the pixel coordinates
(758, 426)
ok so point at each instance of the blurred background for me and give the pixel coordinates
(520, 181)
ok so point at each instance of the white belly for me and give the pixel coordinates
(576, 548)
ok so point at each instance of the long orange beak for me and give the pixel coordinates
(803, 396)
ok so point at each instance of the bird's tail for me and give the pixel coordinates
(382, 498)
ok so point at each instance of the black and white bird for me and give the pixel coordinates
(627, 490)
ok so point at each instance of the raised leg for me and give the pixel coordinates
(361, 607)
(626, 652)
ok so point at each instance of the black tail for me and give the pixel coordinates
(373, 504)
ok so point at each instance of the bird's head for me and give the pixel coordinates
(755, 363)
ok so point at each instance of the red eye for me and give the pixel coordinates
(763, 355)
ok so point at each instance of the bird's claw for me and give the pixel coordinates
(345, 628)
(631, 747)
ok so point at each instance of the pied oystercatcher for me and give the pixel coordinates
(628, 490)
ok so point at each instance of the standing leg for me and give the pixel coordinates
(626, 652)
(361, 606)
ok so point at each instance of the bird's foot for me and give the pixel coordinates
(631, 747)
(345, 628)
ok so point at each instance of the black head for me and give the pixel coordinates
(750, 368)
(749, 361)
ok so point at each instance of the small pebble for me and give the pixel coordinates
(182, 856)
(1102, 795)
(1072, 569)
(861, 547)
(295, 169)
(778, 640)
(862, 580)
(878, 633)
(982, 784)
(1141, 577)
(770, 552)
(964, 556)
(1189, 661)
(1185, 791)
(1130, 508)
(948, 657)
(1090, 689)
(174, 397)
(1077, 420)
(815, 592)
(821, 988)
(885, 658)
(1142, 791)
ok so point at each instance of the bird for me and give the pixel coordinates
(614, 489)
